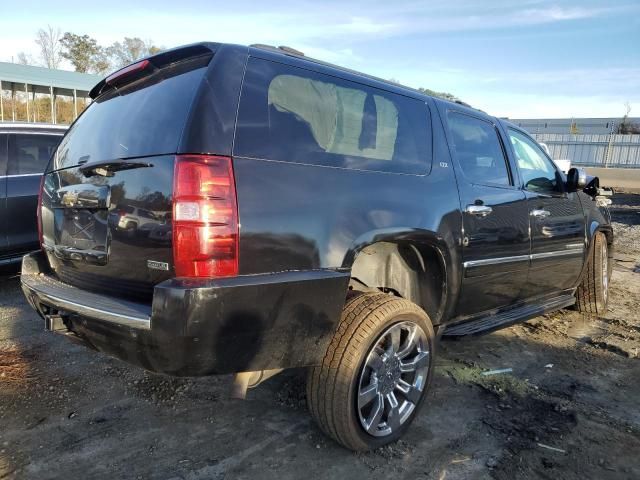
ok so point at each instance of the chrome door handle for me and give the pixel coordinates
(479, 210)
(540, 213)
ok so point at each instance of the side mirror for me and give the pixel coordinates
(577, 179)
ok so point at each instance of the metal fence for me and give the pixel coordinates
(594, 150)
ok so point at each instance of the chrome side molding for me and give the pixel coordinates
(571, 250)
(496, 261)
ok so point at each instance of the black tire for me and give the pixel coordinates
(333, 386)
(131, 229)
(592, 295)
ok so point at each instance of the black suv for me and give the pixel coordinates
(25, 150)
(311, 216)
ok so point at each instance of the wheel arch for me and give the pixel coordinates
(593, 229)
(414, 264)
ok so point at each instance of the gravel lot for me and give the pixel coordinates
(569, 409)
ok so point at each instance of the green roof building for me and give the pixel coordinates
(38, 80)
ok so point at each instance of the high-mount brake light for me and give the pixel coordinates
(205, 217)
(126, 72)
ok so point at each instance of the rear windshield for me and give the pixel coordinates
(143, 118)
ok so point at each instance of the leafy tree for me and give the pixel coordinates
(49, 42)
(433, 93)
(444, 95)
(130, 50)
(101, 62)
(85, 53)
(81, 51)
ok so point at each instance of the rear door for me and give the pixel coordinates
(3, 194)
(29, 154)
(116, 160)
(556, 218)
(495, 216)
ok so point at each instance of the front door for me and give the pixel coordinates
(556, 218)
(495, 217)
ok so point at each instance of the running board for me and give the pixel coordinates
(496, 321)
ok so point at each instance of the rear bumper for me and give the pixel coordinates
(200, 327)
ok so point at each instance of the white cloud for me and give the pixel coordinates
(344, 56)
(558, 14)
(584, 81)
(364, 26)
(588, 92)
(551, 106)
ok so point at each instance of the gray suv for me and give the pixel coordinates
(25, 150)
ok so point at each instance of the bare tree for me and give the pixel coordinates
(25, 59)
(49, 42)
(624, 126)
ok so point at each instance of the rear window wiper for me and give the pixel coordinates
(107, 168)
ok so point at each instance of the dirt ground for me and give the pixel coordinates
(568, 409)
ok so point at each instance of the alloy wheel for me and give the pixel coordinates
(393, 378)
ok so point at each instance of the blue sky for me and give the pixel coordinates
(529, 58)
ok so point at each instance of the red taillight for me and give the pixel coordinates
(125, 72)
(205, 217)
(39, 212)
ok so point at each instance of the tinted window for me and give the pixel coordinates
(145, 213)
(537, 170)
(478, 150)
(144, 118)
(293, 114)
(30, 154)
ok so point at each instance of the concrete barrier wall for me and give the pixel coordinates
(618, 178)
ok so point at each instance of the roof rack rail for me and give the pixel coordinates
(284, 48)
(464, 104)
(280, 48)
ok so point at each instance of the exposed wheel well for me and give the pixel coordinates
(410, 271)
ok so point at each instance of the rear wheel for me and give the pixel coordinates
(592, 294)
(375, 374)
(131, 228)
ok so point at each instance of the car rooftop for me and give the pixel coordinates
(292, 52)
(31, 126)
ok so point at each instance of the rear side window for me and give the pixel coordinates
(30, 154)
(478, 150)
(297, 115)
(146, 214)
(146, 117)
